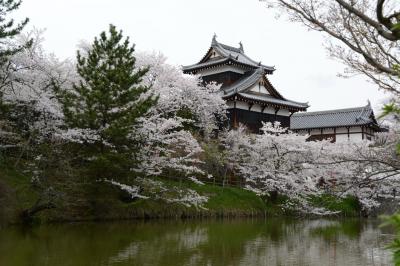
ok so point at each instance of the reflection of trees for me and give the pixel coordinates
(272, 242)
(322, 242)
(163, 249)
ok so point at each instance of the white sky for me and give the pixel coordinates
(182, 30)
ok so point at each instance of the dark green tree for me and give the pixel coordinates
(107, 103)
(394, 221)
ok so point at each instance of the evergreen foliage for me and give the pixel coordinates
(107, 102)
(394, 221)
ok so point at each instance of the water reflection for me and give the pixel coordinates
(237, 242)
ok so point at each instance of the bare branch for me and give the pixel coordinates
(363, 37)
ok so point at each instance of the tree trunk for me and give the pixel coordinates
(28, 214)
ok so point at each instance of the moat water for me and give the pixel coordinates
(272, 242)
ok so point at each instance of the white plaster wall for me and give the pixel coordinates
(357, 137)
(341, 130)
(315, 132)
(328, 131)
(355, 129)
(302, 132)
(341, 138)
(259, 88)
(283, 112)
(257, 108)
(213, 54)
(242, 105)
(269, 110)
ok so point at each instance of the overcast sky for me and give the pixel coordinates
(182, 30)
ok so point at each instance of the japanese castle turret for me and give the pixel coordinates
(249, 94)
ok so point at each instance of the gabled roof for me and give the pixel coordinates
(242, 89)
(225, 54)
(357, 116)
(251, 79)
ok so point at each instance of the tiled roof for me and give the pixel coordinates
(241, 88)
(333, 118)
(236, 55)
(267, 98)
(244, 83)
(218, 61)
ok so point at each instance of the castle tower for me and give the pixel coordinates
(249, 94)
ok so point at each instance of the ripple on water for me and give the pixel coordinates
(350, 242)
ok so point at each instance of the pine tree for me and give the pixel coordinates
(107, 102)
(8, 30)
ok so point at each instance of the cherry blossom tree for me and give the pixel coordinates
(283, 162)
(369, 171)
(31, 79)
(33, 115)
(186, 110)
(276, 161)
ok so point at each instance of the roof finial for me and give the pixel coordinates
(368, 103)
(241, 46)
(214, 39)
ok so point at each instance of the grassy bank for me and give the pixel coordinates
(348, 207)
(84, 201)
(109, 203)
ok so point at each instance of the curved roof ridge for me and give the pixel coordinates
(302, 103)
(365, 112)
(272, 89)
(344, 110)
(228, 47)
(223, 47)
(217, 61)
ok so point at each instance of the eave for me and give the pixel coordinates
(289, 107)
(369, 124)
(228, 61)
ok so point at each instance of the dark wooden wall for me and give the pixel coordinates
(225, 78)
(253, 119)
